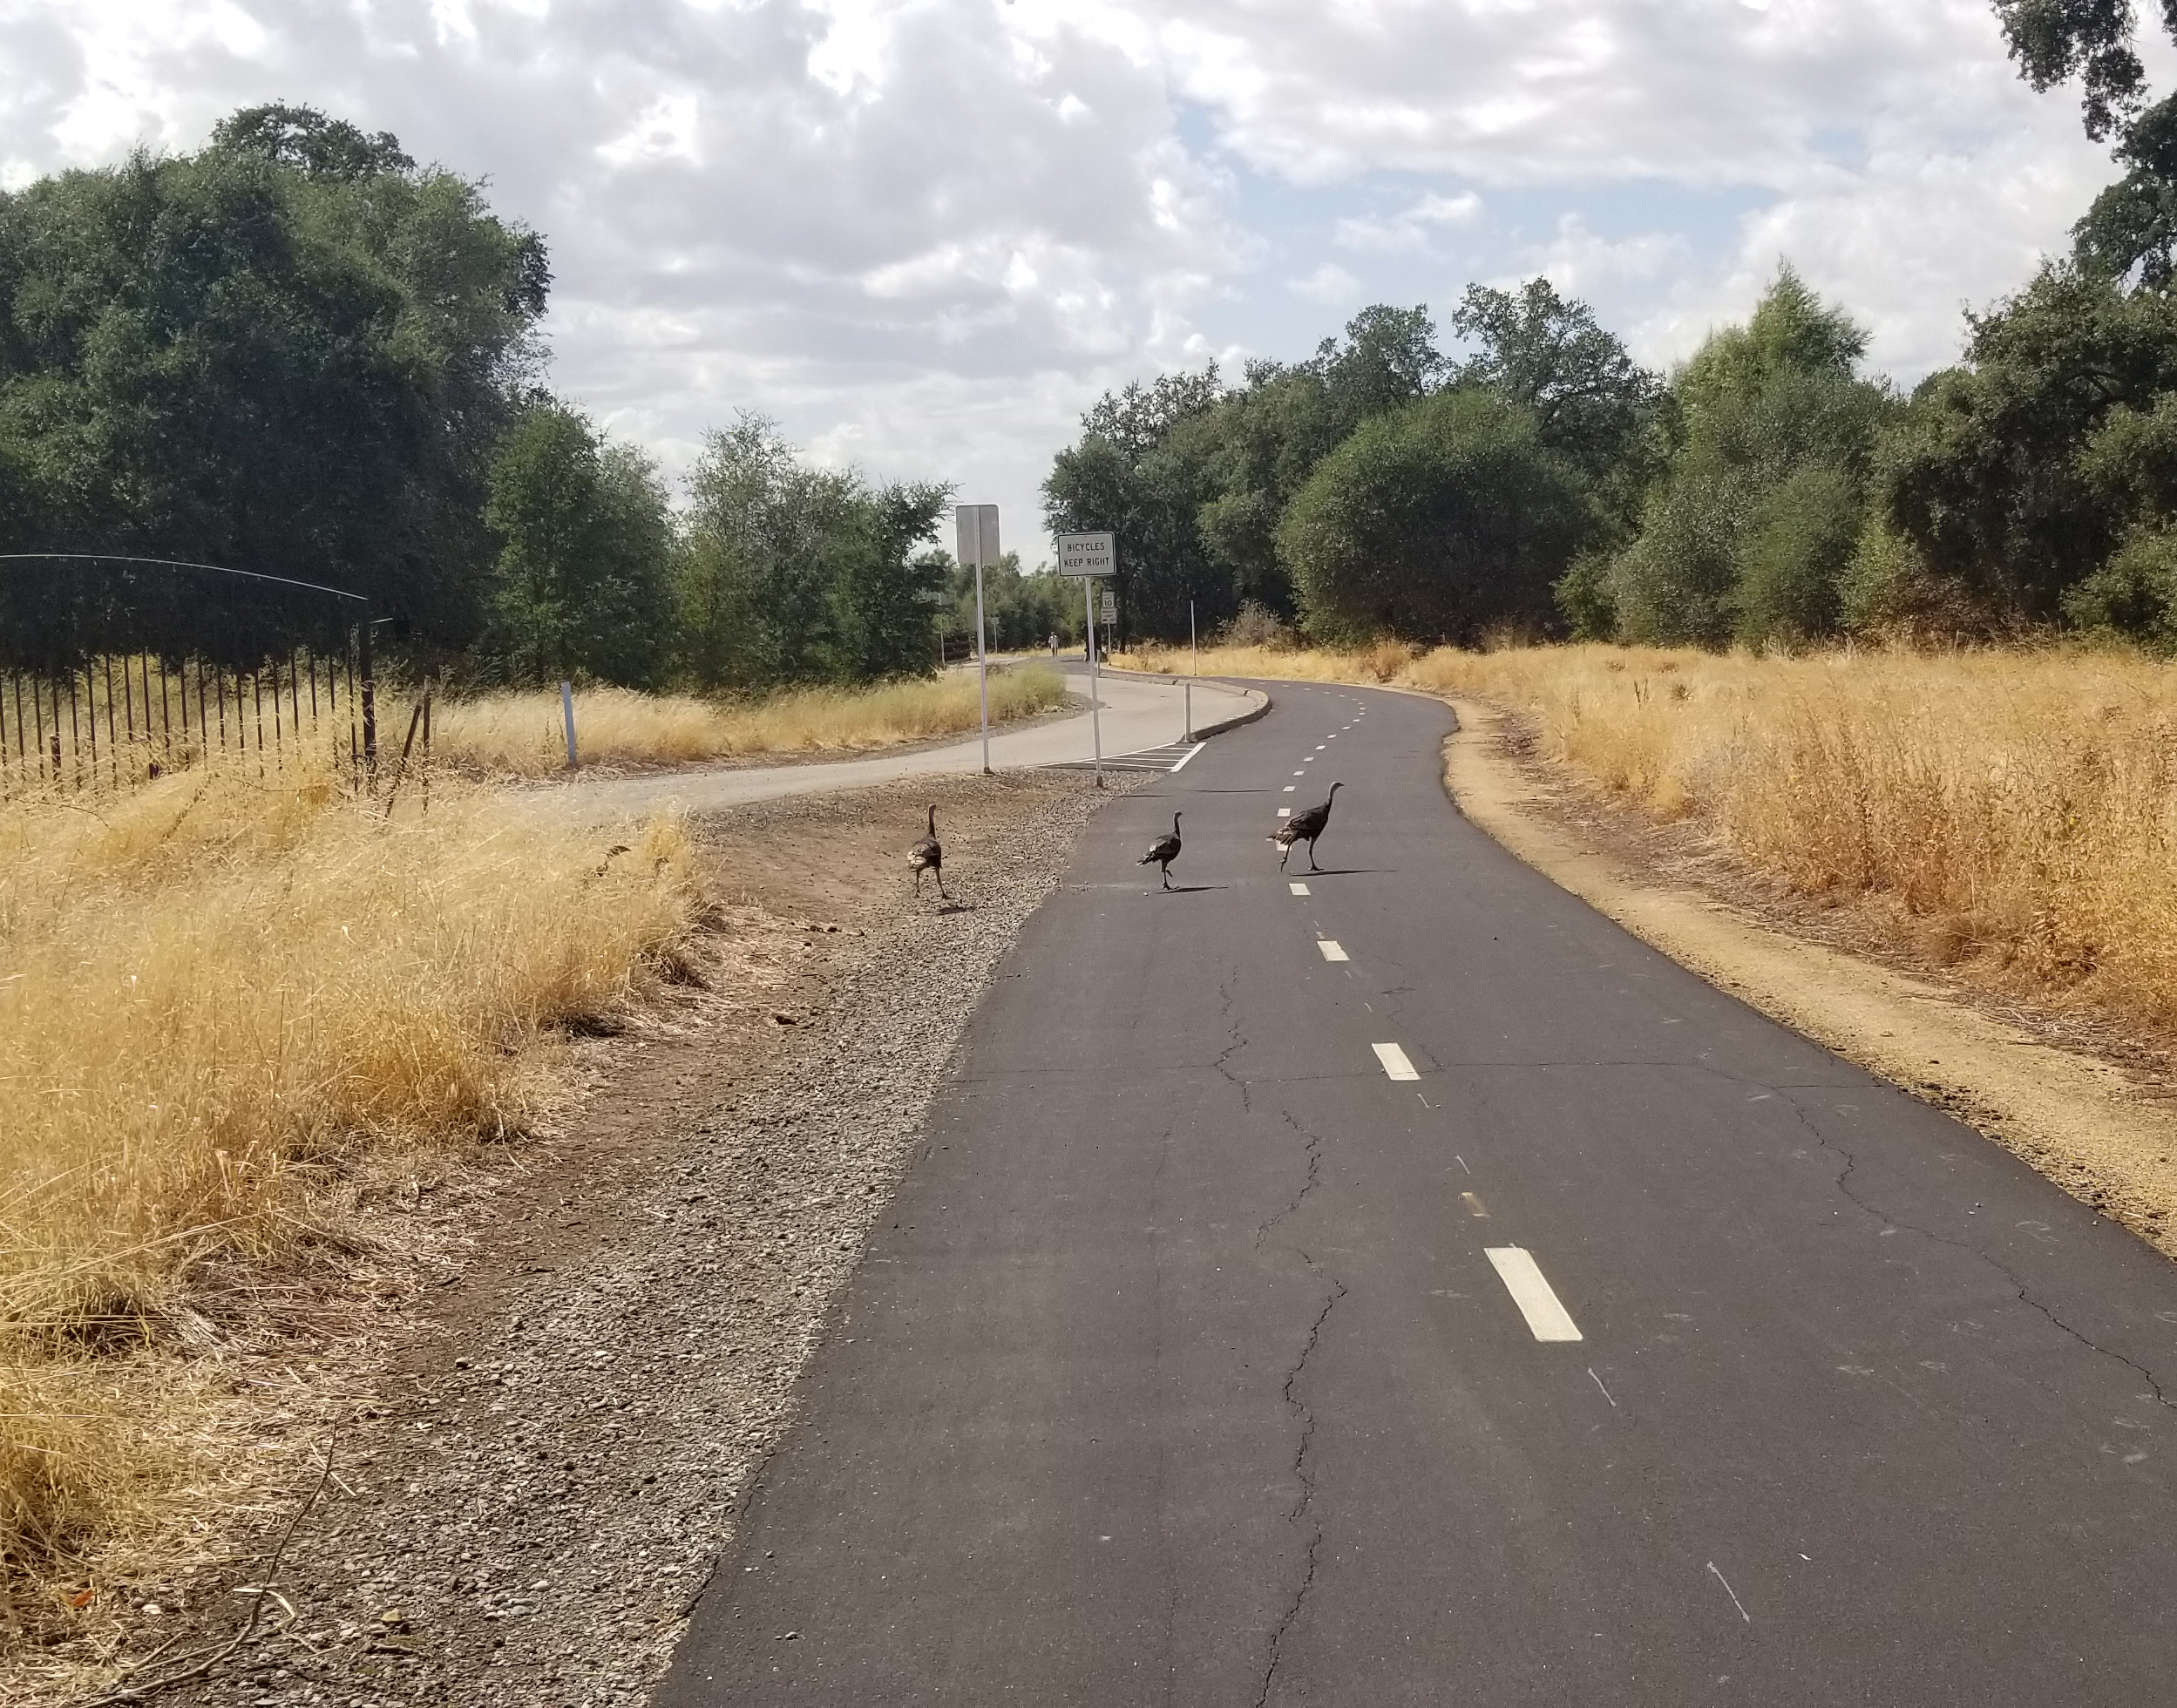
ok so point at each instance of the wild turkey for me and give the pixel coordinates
(1305, 827)
(1164, 851)
(928, 855)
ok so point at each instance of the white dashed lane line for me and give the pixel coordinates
(1331, 949)
(1285, 812)
(1394, 1061)
(1298, 888)
(1523, 1278)
(1288, 789)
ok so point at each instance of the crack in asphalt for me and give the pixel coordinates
(2025, 1294)
(1302, 1507)
(1302, 1471)
(1226, 998)
(1313, 1142)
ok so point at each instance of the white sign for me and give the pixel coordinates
(978, 525)
(1087, 554)
(1110, 607)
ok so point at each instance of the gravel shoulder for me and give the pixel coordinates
(543, 1460)
(2092, 1109)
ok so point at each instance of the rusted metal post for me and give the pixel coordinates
(400, 770)
(128, 701)
(369, 707)
(113, 740)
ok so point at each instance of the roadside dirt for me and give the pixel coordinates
(598, 1334)
(2094, 1111)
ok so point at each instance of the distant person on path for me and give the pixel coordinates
(1054, 643)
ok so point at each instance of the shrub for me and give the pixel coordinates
(1434, 522)
(2135, 592)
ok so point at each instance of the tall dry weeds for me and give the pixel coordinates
(522, 735)
(2013, 813)
(219, 1000)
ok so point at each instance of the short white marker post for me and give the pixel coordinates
(1523, 1278)
(1394, 1062)
(1195, 651)
(567, 716)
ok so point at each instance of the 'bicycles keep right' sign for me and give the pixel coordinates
(1087, 554)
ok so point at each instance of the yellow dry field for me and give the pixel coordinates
(226, 1007)
(2012, 814)
(522, 735)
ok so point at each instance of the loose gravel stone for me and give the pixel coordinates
(529, 1521)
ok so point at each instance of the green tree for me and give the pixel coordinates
(579, 585)
(1750, 531)
(790, 573)
(1021, 609)
(2133, 224)
(891, 584)
(293, 352)
(2013, 476)
(1435, 522)
(1135, 474)
(1195, 479)
(1592, 402)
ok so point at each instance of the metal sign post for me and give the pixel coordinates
(977, 526)
(1091, 556)
(1195, 651)
(1096, 699)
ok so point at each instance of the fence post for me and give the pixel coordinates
(370, 710)
(566, 711)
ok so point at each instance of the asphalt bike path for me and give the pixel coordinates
(1410, 1288)
(1141, 715)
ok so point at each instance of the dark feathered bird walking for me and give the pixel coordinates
(1164, 851)
(928, 855)
(1305, 827)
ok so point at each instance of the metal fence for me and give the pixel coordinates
(117, 670)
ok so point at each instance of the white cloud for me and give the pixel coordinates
(1410, 230)
(1329, 283)
(926, 233)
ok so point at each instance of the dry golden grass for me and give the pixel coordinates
(1382, 663)
(521, 734)
(2011, 813)
(220, 1001)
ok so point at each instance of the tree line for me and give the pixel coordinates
(299, 353)
(1769, 490)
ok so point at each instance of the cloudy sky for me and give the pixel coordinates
(924, 234)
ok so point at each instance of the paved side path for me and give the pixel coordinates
(1139, 712)
(1417, 1291)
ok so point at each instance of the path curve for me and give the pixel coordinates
(1138, 714)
